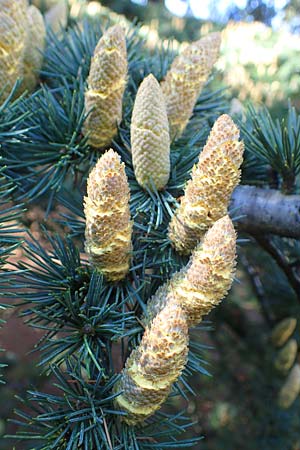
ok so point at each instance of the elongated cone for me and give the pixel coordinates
(154, 366)
(150, 141)
(207, 194)
(210, 272)
(57, 16)
(186, 78)
(108, 226)
(106, 85)
(35, 44)
(283, 331)
(207, 278)
(286, 356)
(13, 29)
(291, 388)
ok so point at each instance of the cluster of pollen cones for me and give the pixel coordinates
(200, 227)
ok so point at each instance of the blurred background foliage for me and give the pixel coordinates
(260, 45)
(260, 61)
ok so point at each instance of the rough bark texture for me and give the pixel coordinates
(263, 210)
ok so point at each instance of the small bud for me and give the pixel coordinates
(154, 366)
(106, 85)
(286, 356)
(150, 141)
(283, 331)
(35, 44)
(291, 388)
(186, 78)
(207, 194)
(108, 226)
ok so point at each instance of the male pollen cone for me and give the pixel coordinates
(283, 330)
(207, 193)
(13, 30)
(35, 44)
(108, 225)
(154, 365)
(206, 279)
(209, 273)
(290, 389)
(158, 361)
(106, 85)
(286, 356)
(186, 78)
(150, 140)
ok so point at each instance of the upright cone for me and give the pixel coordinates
(108, 226)
(290, 389)
(153, 367)
(207, 278)
(13, 29)
(35, 44)
(57, 16)
(186, 78)
(286, 356)
(106, 85)
(150, 141)
(158, 361)
(207, 194)
(283, 331)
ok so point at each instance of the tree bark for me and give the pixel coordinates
(260, 210)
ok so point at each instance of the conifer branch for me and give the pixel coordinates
(257, 287)
(262, 210)
(266, 243)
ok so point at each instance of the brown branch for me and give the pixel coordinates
(266, 243)
(266, 211)
(257, 286)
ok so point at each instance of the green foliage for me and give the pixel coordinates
(9, 241)
(276, 143)
(80, 415)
